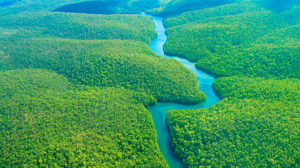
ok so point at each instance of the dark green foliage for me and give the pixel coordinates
(223, 10)
(259, 60)
(258, 88)
(256, 123)
(45, 122)
(52, 120)
(238, 39)
(255, 126)
(174, 7)
(107, 64)
(80, 6)
(242, 133)
(79, 26)
(110, 6)
(91, 7)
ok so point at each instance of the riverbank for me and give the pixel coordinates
(160, 110)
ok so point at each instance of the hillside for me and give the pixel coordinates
(174, 7)
(74, 87)
(105, 63)
(254, 126)
(255, 45)
(78, 77)
(47, 122)
(227, 40)
(79, 26)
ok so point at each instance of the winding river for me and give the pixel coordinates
(159, 111)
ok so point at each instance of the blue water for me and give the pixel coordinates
(160, 110)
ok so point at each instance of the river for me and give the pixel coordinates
(160, 110)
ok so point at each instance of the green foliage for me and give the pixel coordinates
(223, 10)
(4, 32)
(109, 6)
(112, 63)
(268, 60)
(46, 122)
(238, 39)
(87, 6)
(81, 26)
(256, 125)
(174, 7)
(242, 133)
(258, 88)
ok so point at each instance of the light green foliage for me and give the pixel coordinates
(112, 63)
(256, 125)
(260, 60)
(258, 88)
(238, 39)
(242, 133)
(224, 10)
(83, 26)
(46, 122)
(85, 106)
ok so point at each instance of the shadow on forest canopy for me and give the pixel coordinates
(91, 7)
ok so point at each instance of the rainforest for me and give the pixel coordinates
(149, 83)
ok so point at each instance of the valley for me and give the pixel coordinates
(149, 83)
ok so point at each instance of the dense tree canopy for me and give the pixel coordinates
(74, 87)
(45, 121)
(254, 126)
(112, 63)
(257, 48)
(79, 26)
(173, 7)
(238, 39)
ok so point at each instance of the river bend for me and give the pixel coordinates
(159, 111)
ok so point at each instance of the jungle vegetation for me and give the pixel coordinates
(173, 7)
(80, 26)
(74, 86)
(106, 63)
(110, 6)
(46, 121)
(255, 125)
(253, 46)
(241, 38)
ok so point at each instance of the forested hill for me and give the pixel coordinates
(255, 125)
(173, 7)
(76, 77)
(74, 87)
(47, 122)
(242, 38)
(253, 46)
(90, 6)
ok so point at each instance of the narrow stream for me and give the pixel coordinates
(159, 111)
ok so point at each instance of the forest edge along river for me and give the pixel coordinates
(160, 110)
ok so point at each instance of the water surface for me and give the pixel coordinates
(159, 111)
